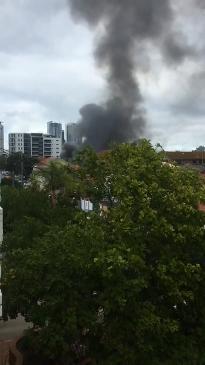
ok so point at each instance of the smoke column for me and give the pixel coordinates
(68, 151)
(125, 30)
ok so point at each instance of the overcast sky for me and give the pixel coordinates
(47, 72)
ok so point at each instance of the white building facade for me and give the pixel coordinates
(52, 147)
(20, 142)
(35, 145)
(16, 142)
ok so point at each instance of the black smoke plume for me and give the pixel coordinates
(125, 32)
(68, 151)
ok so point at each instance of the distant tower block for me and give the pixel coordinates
(54, 129)
(73, 135)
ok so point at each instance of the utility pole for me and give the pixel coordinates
(22, 169)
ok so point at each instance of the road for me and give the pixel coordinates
(9, 333)
(12, 329)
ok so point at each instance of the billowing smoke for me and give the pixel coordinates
(126, 31)
(113, 122)
(68, 151)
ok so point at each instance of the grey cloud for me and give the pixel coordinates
(29, 25)
(192, 101)
(201, 4)
(175, 49)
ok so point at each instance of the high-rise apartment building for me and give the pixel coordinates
(1, 138)
(73, 134)
(54, 129)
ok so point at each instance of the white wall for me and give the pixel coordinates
(18, 142)
(56, 147)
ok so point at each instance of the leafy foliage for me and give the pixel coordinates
(18, 163)
(124, 286)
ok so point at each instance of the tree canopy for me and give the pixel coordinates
(18, 163)
(120, 286)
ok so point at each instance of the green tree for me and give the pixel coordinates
(125, 286)
(200, 148)
(54, 179)
(61, 182)
(3, 162)
(18, 163)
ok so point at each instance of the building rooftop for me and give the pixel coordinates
(191, 155)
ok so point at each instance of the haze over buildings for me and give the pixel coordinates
(59, 52)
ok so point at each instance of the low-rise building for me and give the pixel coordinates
(186, 158)
(20, 142)
(35, 145)
(52, 146)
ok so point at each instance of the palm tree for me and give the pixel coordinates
(53, 177)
